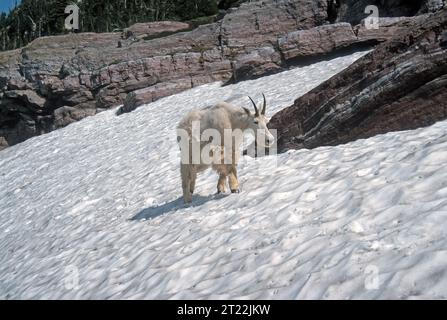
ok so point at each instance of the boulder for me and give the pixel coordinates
(3, 143)
(63, 116)
(387, 29)
(28, 97)
(256, 63)
(315, 41)
(400, 85)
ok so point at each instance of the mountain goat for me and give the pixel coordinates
(212, 137)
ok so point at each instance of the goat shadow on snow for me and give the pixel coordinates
(175, 205)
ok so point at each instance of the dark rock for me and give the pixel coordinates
(28, 97)
(443, 40)
(432, 6)
(3, 143)
(65, 115)
(226, 4)
(400, 85)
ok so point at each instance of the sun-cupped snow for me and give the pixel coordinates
(94, 210)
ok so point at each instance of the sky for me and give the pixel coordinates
(6, 5)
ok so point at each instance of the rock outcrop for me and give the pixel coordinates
(92, 72)
(400, 85)
(154, 29)
(57, 80)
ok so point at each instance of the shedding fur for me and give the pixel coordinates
(221, 127)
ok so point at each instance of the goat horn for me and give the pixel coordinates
(254, 105)
(265, 105)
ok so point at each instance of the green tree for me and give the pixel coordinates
(35, 18)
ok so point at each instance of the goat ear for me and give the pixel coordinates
(246, 111)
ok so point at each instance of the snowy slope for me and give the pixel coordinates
(94, 211)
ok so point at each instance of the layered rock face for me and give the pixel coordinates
(153, 29)
(401, 85)
(57, 80)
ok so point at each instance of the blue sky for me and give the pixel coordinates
(5, 5)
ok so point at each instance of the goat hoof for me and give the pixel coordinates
(235, 191)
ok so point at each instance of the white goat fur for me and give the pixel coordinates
(219, 117)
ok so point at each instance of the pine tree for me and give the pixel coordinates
(35, 18)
